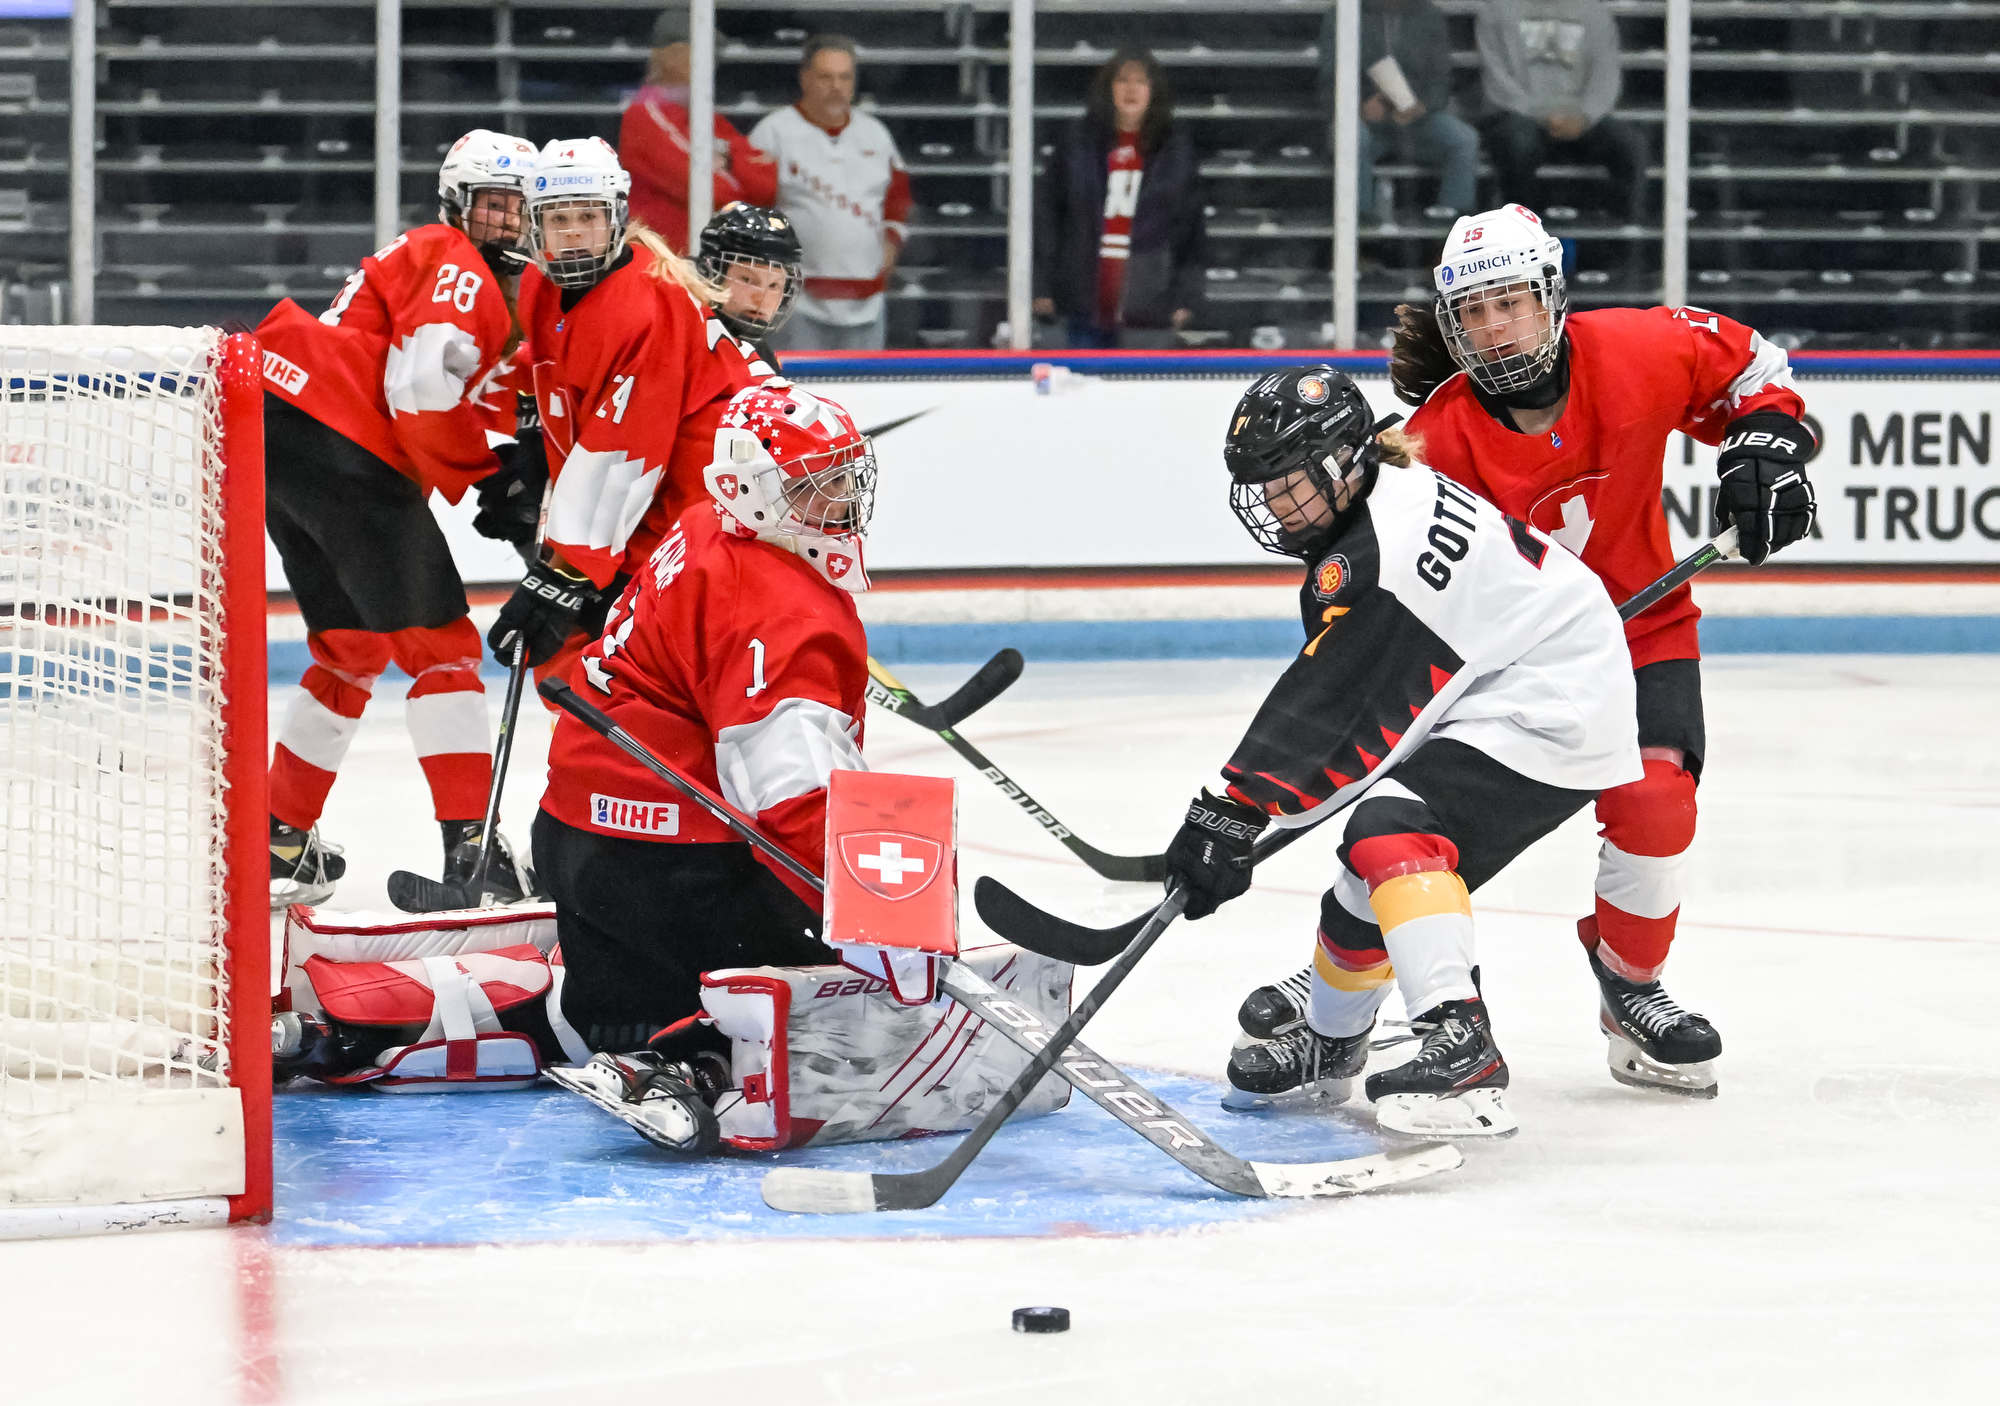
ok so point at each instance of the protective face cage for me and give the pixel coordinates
(829, 493)
(1295, 512)
(1525, 357)
(502, 252)
(577, 268)
(715, 267)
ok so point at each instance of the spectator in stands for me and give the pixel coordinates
(1406, 75)
(1550, 69)
(842, 182)
(1118, 214)
(653, 142)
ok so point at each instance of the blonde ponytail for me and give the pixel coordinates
(670, 267)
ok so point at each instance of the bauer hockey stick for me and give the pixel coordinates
(803, 1189)
(1123, 868)
(994, 678)
(1046, 935)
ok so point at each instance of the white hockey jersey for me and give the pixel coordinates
(1434, 614)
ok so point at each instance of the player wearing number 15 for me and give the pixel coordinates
(1563, 422)
(736, 655)
(382, 398)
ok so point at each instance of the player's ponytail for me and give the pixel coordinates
(1398, 447)
(1419, 360)
(670, 267)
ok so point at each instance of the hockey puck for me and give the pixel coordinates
(1041, 1320)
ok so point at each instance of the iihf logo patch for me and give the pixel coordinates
(1330, 577)
(1555, 439)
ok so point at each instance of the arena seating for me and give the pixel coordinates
(1844, 154)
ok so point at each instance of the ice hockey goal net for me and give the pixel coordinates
(134, 915)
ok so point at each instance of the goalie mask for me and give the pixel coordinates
(480, 191)
(791, 468)
(1501, 301)
(754, 256)
(577, 212)
(1301, 455)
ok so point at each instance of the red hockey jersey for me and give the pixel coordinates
(400, 362)
(1593, 481)
(734, 661)
(632, 378)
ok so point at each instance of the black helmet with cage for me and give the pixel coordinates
(743, 235)
(1301, 455)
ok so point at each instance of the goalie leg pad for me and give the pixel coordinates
(823, 1055)
(452, 1005)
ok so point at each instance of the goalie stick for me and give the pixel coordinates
(994, 678)
(1046, 935)
(1123, 868)
(804, 1189)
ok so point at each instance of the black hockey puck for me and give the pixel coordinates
(1041, 1320)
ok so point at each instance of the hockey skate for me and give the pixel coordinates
(507, 879)
(1278, 1009)
(304, 867)
(1321, 1066)
(1454, 1086)
(666, 1102)
(1654, 1044)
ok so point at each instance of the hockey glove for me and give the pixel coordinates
(543, 613)
(1763, 489)
(510, 500)
(1210, 856)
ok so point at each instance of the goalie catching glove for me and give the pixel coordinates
(1763, 490)
(1210, 857)
(548, 607)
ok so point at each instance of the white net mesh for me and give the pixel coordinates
(112, 709)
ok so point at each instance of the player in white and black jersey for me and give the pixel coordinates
(1456, 694)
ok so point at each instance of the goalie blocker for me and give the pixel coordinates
(472, 1000)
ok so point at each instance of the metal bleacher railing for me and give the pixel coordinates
(1824, 168)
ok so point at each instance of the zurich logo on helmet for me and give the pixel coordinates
(504, 161)
(541, 183)
(1446, 276)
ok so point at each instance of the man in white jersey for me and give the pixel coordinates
(1456, 690)
(842, 183)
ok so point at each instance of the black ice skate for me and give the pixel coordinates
(1321, 1065)
(303, 866)
(667, 1102)
(1453, 1088)
(1654, 1044)
(1277, 1009)
(506, 880)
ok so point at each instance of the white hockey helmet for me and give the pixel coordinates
(577, 177)
(483, 160)
(1501, 298)
(791, 467)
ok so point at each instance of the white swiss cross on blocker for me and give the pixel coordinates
(889, 863)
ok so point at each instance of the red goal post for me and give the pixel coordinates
(135, 940)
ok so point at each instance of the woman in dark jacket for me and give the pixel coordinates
(1118, 218)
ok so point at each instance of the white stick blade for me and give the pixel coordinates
(1356, 1174)
(809, 1191)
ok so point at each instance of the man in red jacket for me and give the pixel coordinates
(385, 396)
(653, 143)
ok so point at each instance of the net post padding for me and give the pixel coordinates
(239, 366)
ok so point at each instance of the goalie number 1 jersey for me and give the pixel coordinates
(1433, 614)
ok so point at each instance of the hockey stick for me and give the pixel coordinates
(901, 420)
(804, 1189)
(418, 893)
(994, 678)
(1124, 868)
(1041, 932)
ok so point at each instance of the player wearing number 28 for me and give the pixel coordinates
(387, 395)
(737, 656)
(1563, 421)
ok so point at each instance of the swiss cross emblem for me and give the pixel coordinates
(891, 863)
(837, 565)
(726, 483)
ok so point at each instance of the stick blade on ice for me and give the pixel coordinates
(1355, 1175)
(815, 1192)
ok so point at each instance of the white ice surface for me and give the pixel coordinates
(1826, 1231)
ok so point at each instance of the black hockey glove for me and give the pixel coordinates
(544, 612)
(510, 500)
(1211, 854)
(1763, 489)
